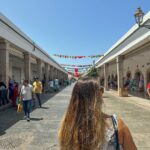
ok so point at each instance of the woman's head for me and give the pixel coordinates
(83, 124)
(26, 82)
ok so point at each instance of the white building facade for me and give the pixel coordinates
(128, 60)
(21, 58)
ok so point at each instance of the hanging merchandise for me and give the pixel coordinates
(77, 57)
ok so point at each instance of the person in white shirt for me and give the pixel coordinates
(26, 97)
(51, 85)
(56, 84)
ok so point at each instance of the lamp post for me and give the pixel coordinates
(139, 18)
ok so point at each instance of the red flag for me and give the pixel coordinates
(76, 69)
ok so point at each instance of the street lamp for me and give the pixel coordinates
(139, 18)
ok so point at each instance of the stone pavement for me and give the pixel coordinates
(41, 132)
(38, 134)
(136, 114)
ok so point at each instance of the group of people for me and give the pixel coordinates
(85, 125)
(135, 84)
(54, 85)
(24, 93)
(8, 92)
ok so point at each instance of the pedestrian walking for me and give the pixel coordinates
(37, 89)
(148, 89)
(56, 85)
(26, 97)
(15, 94)
(3, 93)
(51, 85)
(86, 127)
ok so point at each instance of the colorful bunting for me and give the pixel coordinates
(77, 57)
(67, 65)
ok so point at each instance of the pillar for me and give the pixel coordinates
(49, 77)
(58, 74)
(46, 75)
(119, 61)
(51, 72)
(39, 67)
(4, 61)
(106, 77)
(27, 67)
(55, 73)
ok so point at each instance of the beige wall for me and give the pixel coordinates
(15, 64)
(112, 68)
(139, 60)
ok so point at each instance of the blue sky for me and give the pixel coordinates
(73, 27)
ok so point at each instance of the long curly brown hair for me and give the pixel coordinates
(83, 126)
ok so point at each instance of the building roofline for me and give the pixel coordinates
(133, 29)
(11, 25)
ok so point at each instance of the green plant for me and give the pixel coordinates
(93, 72)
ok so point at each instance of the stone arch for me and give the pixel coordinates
(128, 75)
(139, 80)
(137, 74)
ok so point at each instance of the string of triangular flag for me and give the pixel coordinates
(77, 57)
(68, 65)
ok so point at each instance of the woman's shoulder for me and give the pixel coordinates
(122, 129)
(125, 137)
(121, 124)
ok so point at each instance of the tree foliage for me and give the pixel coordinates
(93, 72)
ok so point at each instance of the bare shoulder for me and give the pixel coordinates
(122, 127)
(125, 137)
(121, 124)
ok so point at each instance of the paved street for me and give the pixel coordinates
(41, 132)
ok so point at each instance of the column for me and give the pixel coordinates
(51, 72)
(66, 76)
(55, 73)
(49, 77)
(58, 74)
(46, 75)
(27, 68)
(119, 61)
(39, 67)
(4, 61)
(106, 77)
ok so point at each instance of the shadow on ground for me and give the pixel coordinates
(105, 97)
(36, 119)
(139, 94)
(9, 117)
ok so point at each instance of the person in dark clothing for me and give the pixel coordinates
(15, 95)
(3, 93)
